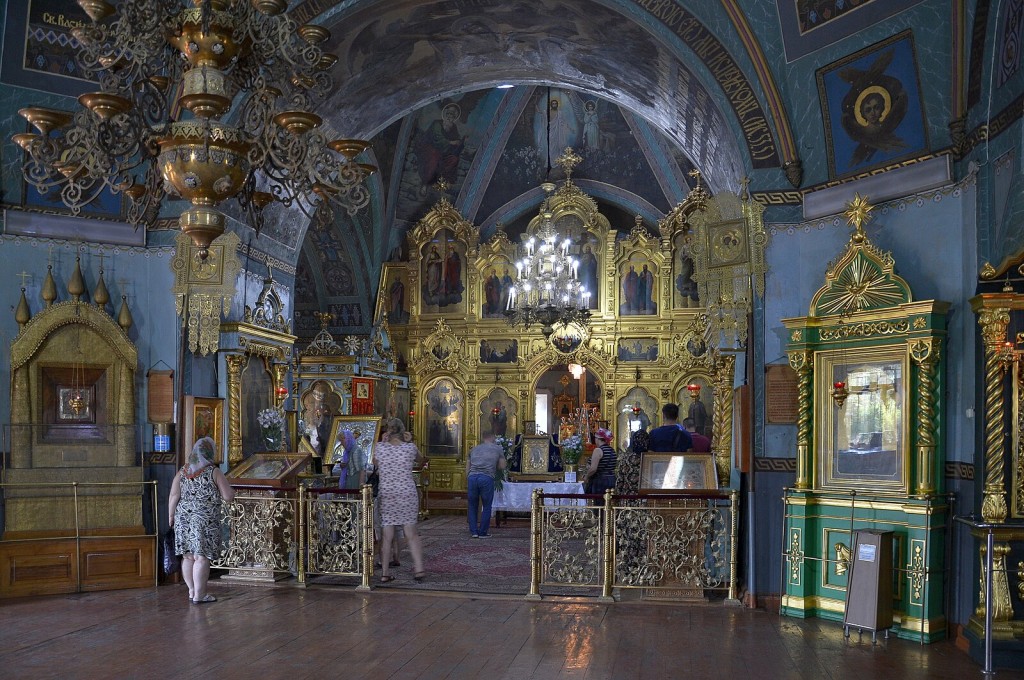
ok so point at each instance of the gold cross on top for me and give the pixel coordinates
(568, 161)
(858, 213)
(24, 275)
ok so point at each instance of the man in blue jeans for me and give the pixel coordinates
(485, 459)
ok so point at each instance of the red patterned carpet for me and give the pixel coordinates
(456, 562)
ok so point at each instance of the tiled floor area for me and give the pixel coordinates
(331, 632)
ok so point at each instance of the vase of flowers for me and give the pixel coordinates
(271, 422)
(501, 476)
(571, 450)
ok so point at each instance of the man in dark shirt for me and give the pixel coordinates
(670, 436)
(701, 444)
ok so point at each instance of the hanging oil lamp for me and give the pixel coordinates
(839, 393)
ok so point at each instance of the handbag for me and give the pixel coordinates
(172, 562)
(373, 479)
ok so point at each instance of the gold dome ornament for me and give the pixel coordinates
(124, 316)
(22, 315)
(76, 286)
(49, 287)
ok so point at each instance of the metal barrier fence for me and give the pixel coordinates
(259, 533)
(680, 544)
(338, 533)
(684, 544)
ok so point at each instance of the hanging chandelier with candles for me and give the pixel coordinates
(157, 59)
(547, 290)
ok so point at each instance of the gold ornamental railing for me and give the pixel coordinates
(680, 545)
(258, 531)
(336, 537)
(270, 533)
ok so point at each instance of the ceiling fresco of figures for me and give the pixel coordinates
(645, 91)
(438, 46)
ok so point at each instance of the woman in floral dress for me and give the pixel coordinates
(193, 510)
(399, 503)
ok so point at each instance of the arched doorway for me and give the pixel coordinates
(558, 394)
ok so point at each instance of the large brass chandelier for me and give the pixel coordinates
(547, 291)
(247, 74)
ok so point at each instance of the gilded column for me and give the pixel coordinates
(993, 324)
(722, 425)
(925, 355)
(235, 364)
(802, 362)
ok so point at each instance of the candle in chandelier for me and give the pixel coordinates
(519, 269)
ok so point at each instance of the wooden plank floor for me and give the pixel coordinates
(263, 633)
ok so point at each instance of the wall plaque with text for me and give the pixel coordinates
(780, 394)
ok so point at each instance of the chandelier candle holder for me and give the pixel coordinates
(167, 73)
(547, 290)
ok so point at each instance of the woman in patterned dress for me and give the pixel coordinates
(193, 511)
(399, 503)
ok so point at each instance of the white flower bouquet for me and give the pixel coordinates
(270, 418)
(571, 450)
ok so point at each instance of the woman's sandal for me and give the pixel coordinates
(387, 579)
(207, 598)
(419, 576)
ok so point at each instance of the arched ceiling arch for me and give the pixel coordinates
(402, 62)
(691, 84)
(399, 55)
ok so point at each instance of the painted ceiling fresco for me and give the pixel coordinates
(645, 90)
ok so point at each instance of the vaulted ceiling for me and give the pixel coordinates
(644, 90)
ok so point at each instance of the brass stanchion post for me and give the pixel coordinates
(734, 537)
(367, 505)
(609, 546)
(536, 510)
(302, 535)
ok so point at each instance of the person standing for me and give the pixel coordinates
(485, 459)
(193, 511)
(701, 444)
(670, 436)
(399, 502)
(601, 472)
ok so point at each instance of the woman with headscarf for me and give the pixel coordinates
(193, 511)
(601, 473)
(399, 502)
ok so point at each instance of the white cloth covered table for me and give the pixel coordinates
(517, 496)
